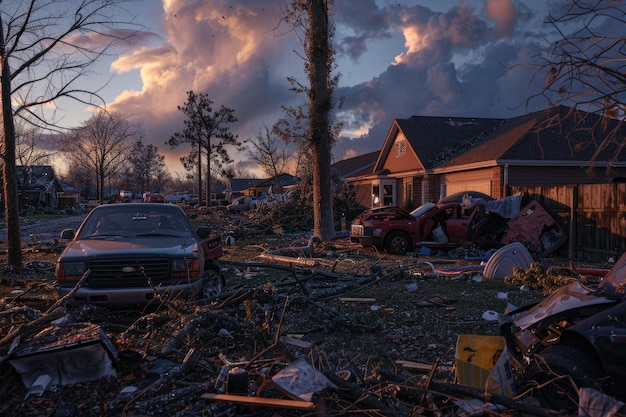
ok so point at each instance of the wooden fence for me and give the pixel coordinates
(593, 215)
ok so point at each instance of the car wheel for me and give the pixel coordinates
(397, 243)
(214, 281)
(554, 376)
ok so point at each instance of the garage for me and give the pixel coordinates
(483, 186)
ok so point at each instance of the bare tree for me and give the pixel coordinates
(102, 146)
(82, 178)
(310, 20)
(584, 68)
(45, 49)
(207, 132)
(146, 165)
(265, 150)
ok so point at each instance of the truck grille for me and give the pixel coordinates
(356, 230)
(134, 272)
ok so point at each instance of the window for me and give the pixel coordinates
(383, 193)
(400, 148)
(375, 195)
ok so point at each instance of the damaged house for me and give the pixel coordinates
(39, 187)
(555, 156)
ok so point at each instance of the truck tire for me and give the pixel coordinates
(554, 376)
(214, 281)
(397, 243)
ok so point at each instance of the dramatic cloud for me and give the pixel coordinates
(471, 59)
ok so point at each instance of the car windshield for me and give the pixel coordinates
(425, 208)
(128, 221)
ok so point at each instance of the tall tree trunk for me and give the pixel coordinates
(320, 105)
(9, 174)
(208, 173)
(200, 172)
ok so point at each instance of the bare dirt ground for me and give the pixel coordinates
(373, 316)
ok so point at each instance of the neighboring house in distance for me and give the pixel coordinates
(277, 184)
(553, 155)
(354, 168)
(240, 186)
(39, 187)
(69, 196)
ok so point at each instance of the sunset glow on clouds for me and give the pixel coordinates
(460, 60)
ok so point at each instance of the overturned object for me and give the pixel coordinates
(67, 354)
(504, 261)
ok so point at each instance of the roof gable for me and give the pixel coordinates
(436, 139)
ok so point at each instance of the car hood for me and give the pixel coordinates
(171, 246)
(569, 297)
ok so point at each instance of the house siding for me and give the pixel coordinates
(398, 161)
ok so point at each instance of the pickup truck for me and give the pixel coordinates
(458, 220)
(178, 197)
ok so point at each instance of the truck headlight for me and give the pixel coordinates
(377, 232)
(183, 267)
(70, 271)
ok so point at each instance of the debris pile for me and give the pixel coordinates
(303, 327)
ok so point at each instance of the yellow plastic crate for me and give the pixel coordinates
(482, 362)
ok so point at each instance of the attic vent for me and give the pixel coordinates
(400, 148)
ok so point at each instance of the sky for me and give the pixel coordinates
(395, 59)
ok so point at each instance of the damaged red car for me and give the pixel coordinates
(457, 220)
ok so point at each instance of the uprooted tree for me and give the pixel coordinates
(311, 22)
(584, 66)
(45, 49)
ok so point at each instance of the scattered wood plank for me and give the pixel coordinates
(357, 300)
(421, 366)
(259, 401)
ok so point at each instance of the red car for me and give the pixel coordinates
(460, 219)
(445, 224)
(155, 198)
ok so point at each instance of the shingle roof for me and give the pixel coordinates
(559, 134)
(358, 165)
(280, 179)
(436, 139)
(240, 184)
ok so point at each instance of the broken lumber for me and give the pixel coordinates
(259, 401)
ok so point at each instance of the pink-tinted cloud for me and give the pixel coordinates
(504, 15)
